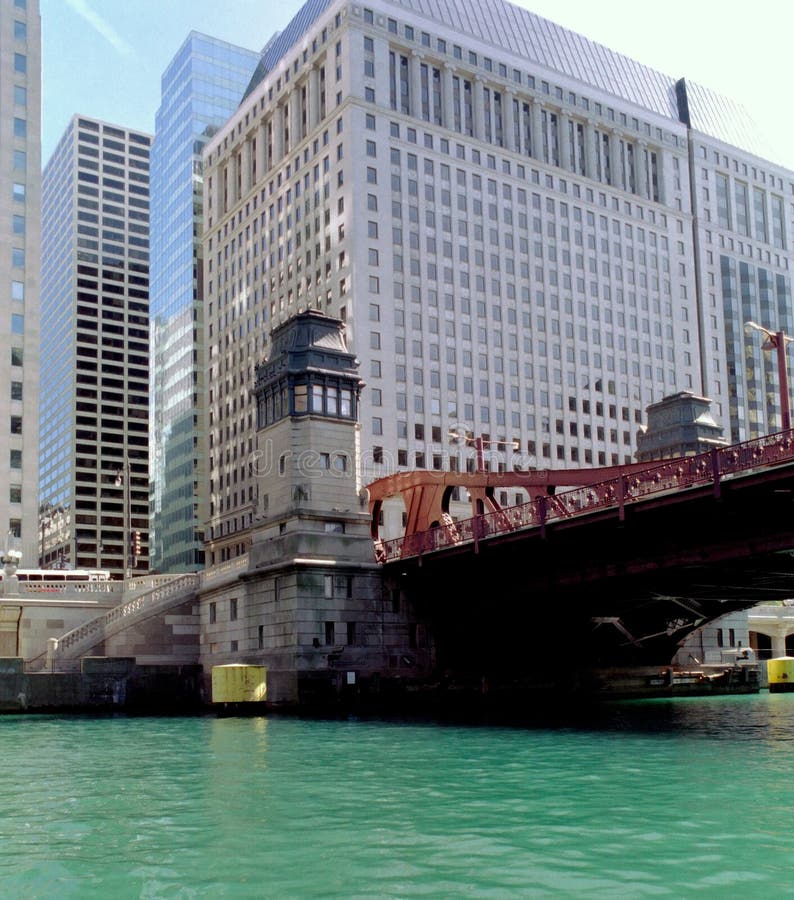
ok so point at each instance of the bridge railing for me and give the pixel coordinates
(34, 588)
(661, 477)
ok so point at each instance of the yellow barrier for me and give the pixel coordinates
(239, 684)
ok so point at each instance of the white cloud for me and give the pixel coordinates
(103, 28)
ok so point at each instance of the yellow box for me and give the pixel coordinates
(780, 673)
(239, 684)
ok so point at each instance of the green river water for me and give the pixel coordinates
(692, 797)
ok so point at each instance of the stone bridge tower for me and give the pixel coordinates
(311, 606)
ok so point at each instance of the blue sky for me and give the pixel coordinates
(104, 58)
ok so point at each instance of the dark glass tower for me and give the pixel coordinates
(94, 410)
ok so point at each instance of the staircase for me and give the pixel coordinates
(79, 642)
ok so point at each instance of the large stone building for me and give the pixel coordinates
(528, 236)
(94, 463)
(201, 87)
(20, 236)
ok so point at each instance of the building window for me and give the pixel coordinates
(15, 493)
(17, 291)
(20, 64)
(351, 633)
(330, 635)
(300, 395)
(261, 637)
(17, 324)
(233, 609)
(337, 587)
(15, 459)
(16, 390)
(213, 613)
(16, 424)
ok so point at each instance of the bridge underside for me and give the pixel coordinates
(601, 590)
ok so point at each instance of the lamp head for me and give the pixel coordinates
(750, 327)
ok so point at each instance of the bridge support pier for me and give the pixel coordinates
(775, 622)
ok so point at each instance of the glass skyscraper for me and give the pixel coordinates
(200, 89)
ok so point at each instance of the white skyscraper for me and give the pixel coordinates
(529, 237)
(20, 237)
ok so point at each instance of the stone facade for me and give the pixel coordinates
(679, 425)
(310, 604)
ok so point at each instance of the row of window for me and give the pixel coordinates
(749, 210)
(522, 126)
(483, 61)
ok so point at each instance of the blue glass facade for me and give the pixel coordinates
(200, 89)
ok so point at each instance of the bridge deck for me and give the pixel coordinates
(665, 481)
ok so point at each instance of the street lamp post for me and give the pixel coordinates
(777, 340)
(479, 443)
(123, 478)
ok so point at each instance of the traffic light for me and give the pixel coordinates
(136, 545)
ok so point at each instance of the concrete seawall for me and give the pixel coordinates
(102, 684)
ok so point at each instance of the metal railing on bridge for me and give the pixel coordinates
(668, 476)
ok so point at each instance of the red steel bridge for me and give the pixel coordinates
(618, 567)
